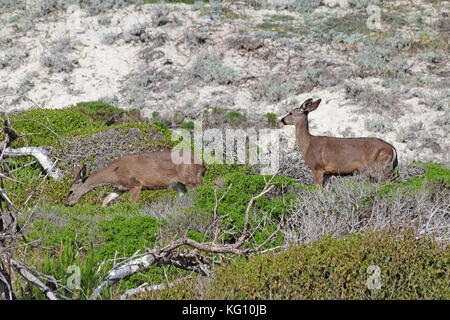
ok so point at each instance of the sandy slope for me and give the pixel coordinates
(102, 70)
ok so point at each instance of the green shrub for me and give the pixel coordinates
(235, 116)
(43, 126)
(58, 267)
(127, 235)
(346, 28)
(216, 171)
(272, 119)
(189, 125)
(13, 58)
(437, 173)
(410, 268)
(209, 68)
(98, 111)
(274, 88)
(86, 235)
(46, 125)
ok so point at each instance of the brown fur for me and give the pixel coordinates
(151, 170)
(337, 156)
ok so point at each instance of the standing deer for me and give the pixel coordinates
(134, 172)
(337, 156)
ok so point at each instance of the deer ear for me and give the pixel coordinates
(76, 171)
(80, 173)
(313, 105)
(83, 175)
(307, 103)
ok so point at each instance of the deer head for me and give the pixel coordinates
(76, 191)
(298, 113)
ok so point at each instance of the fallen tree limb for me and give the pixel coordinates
(33, 279)
(142, 288)
(145, 287)
(39, 153)
(157, 256)
(41, 156)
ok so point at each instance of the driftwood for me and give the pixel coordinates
(39, 153)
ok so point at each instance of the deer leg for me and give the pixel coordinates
(179, 187)
(134, 194)
(318, 177)
(110, 197)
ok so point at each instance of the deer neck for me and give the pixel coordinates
(302, 134)
(94, 181)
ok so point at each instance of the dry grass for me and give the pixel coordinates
(358, 207)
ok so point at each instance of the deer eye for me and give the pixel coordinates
(70, 191)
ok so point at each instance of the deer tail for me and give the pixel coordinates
(394, 168)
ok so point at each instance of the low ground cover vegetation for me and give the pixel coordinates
(230, 65)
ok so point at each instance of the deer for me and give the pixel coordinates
(174, 169)
(340, 156)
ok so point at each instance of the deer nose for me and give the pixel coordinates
(68, 204)
(283, 121)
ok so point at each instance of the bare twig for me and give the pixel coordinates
(215, 220)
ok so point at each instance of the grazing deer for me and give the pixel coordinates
(337, 156)
(134, 172)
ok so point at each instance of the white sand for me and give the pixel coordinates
(103, 69)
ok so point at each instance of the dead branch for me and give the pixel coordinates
(23, 270)
(6, 290)
(145, 287)
(41, 156)
(38, 152)
(142, 288)
(189, 259)
(11, 236)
